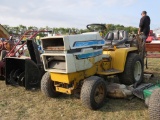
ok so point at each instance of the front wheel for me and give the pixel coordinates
(93, 92)
(47, 86)
(133, 71)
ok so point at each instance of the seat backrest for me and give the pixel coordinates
(117, 37)
(109, 36)
(123, 37)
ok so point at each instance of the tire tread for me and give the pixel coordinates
(154, 105)
(127, 76)
(87, 91)
(46, 86)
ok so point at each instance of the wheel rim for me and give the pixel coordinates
(99, 94)
(137, 70)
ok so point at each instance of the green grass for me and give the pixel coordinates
(18, 104)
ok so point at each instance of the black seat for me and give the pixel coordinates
(116, 37)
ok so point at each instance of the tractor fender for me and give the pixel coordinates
(119, 57)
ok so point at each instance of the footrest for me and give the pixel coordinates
(109, 72)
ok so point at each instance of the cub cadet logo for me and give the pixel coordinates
(89, 55)
(84, 44)
(89, 43)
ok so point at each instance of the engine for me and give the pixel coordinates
(71, 53)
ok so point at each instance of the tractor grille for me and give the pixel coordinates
(50, 44)
(55, 63)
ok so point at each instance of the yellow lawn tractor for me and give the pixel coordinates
(81, 62)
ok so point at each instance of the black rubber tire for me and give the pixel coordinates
(127, 77)
(154, 105)
(47, 86)
(3, 54)
(88, 92)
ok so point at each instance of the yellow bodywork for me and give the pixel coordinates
(61, 79)
(66, 83)
(119, 57)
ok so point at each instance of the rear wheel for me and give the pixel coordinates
(93, 92)
(133, 72)
(47, 86)
(154, 105)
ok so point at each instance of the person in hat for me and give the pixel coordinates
(144, 25)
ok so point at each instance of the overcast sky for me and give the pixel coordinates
(77, 13)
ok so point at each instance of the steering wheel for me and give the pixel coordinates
(96, 27)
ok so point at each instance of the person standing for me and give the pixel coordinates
(144, 25)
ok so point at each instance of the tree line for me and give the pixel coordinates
(19, 30)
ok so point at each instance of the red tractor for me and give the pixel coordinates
(151, 37)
